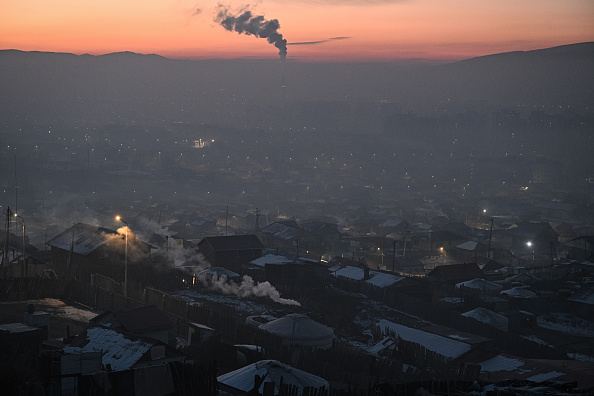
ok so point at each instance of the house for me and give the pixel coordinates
(289, 236)
(580, 248)
(326, 231)
(85, 249)
(146, 321)
(436, 242)
(470, 249)
(231, 252)
(528, 239)
(454, 273)
(123, 363)
(11, 256)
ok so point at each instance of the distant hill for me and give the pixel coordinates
(559, 76)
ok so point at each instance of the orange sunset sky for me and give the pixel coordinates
(375, 29)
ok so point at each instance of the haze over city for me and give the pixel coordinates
(372, 196)
(382, 30)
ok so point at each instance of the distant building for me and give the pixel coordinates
(289, 236)
(231, 252)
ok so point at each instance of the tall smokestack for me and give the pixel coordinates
(251, 25)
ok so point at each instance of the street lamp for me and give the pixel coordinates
(25, 269)
(444, 255)
(529, 244)
(119, 218)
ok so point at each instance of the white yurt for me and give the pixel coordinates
(298, 329)
(488, 317)
(241, 381)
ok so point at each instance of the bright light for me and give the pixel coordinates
(528, 243)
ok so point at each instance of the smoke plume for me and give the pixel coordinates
(251, 25)
(247, 288)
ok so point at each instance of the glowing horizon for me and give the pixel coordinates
(370, 30)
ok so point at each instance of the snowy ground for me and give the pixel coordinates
(566, 323)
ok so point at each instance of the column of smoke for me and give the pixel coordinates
(251, 25)
(193, 262)
(247, 288)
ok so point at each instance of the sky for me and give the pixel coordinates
(370, 30)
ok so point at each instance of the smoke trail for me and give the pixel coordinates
(247, 288)
(257, 26)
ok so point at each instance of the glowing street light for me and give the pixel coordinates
(119, 218)
(529, 244)
(25, 269)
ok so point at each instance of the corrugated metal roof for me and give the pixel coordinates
(117, 350)
(376, 278)
(442, 345)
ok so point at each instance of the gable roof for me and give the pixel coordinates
(83, 238)
(234, 242)
(283, 230)
(530, 230)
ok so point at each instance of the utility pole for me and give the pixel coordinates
(490, 236)
(7, 225)
(394, 255)
(257, 218)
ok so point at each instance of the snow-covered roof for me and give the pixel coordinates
(300, 329)
(518, 292)
(83, 238)
(386, 344)
(488, 317)
(468, 245)
(542, 377)
(271, 259)
(500, 363)
(584, 295)
(442, 345)
(243, 378)
(218, 272)
(376, 278)
(391, 223)
(523, 278)
(120, 352)
(479, 284)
